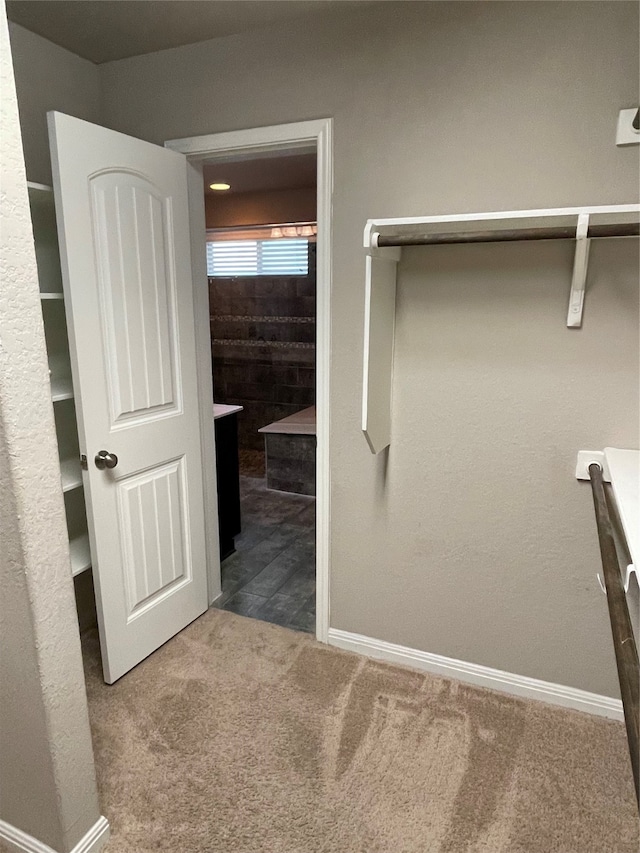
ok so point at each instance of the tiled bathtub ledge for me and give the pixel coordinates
(290, 449)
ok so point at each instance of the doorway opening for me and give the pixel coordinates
(312, 137)
(261, 228)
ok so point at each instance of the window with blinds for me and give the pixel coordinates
(227, 258)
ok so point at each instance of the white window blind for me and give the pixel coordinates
(227, 258)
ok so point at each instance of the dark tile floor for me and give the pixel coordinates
(271, 576)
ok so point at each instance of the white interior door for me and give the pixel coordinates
(123, 223)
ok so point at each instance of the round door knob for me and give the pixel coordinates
(104, 459)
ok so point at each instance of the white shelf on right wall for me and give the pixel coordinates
(624, 471)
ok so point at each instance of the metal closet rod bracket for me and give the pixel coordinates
(579, 277)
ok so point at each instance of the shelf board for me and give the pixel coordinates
(32, 185)
(71, 474)
(51, 295)
(80, 554)
(61, 389)
(499, 220)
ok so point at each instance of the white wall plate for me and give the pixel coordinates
(626, 133)
(585, 458)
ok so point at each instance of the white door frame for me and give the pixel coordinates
(251, 143)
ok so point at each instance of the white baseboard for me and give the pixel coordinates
(18, 841)
(481, 676)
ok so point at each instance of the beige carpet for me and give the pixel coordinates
(242, 737)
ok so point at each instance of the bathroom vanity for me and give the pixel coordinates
(228, 475)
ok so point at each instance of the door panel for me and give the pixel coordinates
(131, 231)
(155, 558)
(123, 225)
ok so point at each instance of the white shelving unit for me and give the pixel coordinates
(383, 240)
(43, 217)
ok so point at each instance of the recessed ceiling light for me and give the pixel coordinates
(220, 186)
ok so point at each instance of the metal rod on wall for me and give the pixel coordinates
(556, 232)
(623, 640)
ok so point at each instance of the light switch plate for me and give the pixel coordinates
(626, 133)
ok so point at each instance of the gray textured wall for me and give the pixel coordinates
(49, 78)
(472, 539)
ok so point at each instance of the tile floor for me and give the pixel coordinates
(271, 576)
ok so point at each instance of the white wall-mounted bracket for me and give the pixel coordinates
(579, 278)
(626, 580)
(628, 127)
(588, 457)
(379, 334)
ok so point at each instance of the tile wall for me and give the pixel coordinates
(263, 333)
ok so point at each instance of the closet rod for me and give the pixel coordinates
(623, 640)
(555, 232)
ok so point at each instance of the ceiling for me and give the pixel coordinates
(268, 173)
(105, 30)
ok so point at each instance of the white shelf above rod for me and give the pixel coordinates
(621, 468)
(384, 240)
